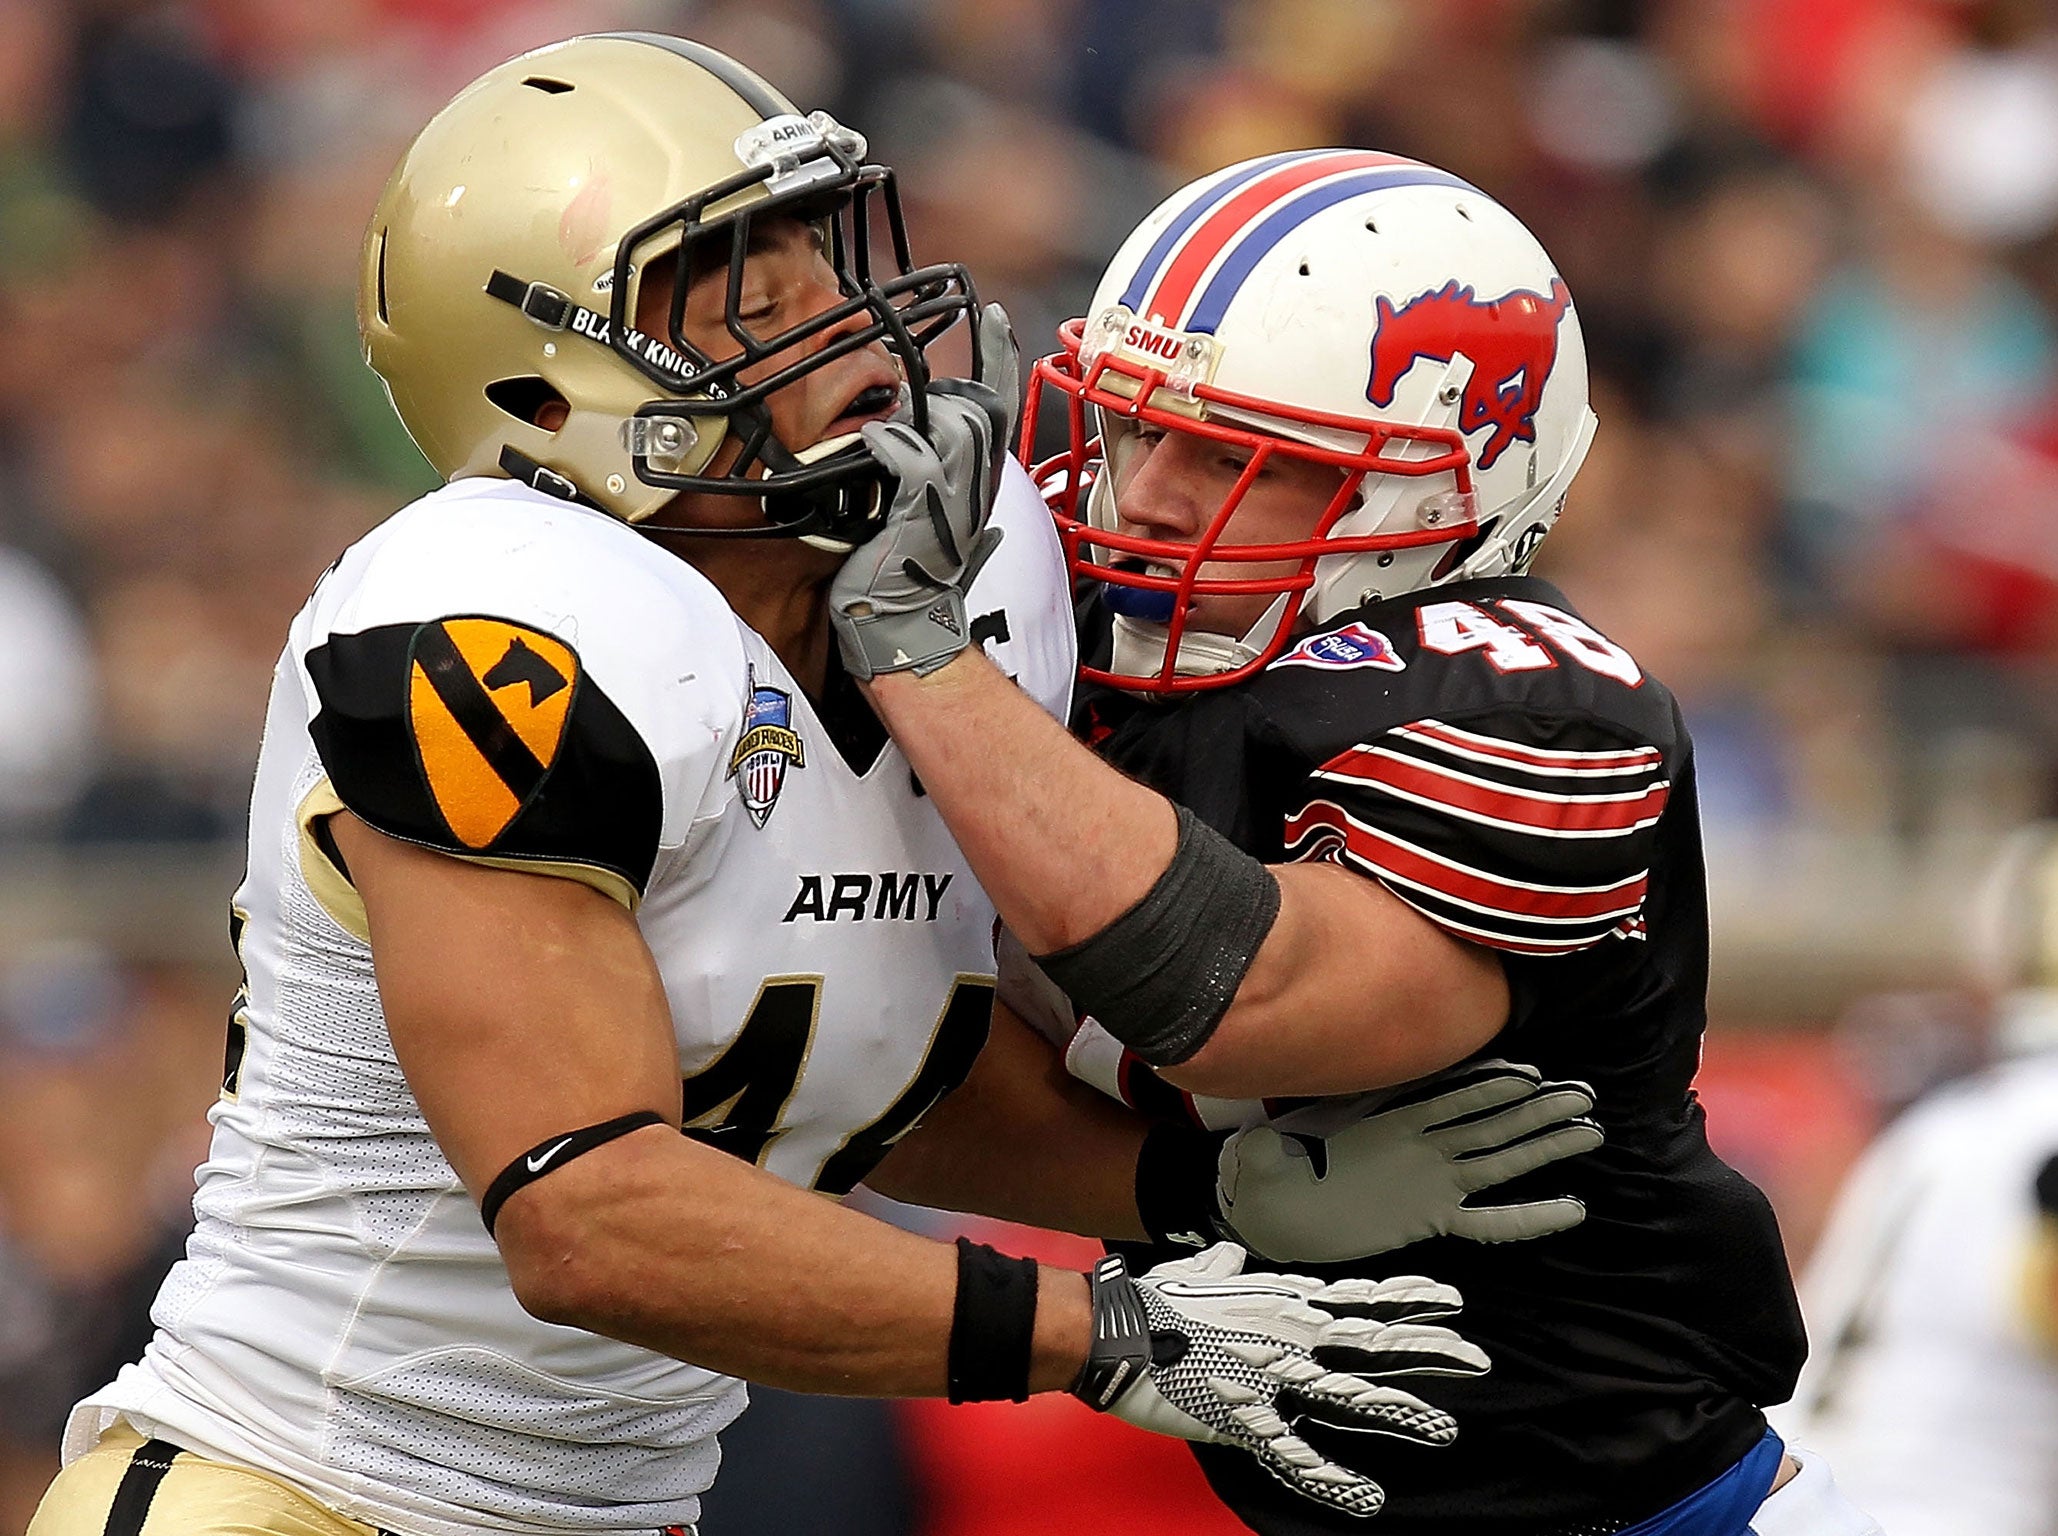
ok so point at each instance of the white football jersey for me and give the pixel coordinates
(516, 679)
(1933, 1384)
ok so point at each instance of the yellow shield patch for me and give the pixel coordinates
(487, 707)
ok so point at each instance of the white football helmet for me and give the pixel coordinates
(1342, 306)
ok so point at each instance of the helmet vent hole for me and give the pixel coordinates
(1464, 213)
(379, 279)
(547, 86)
(1304, 269)
(1371, 227)
(524, 397)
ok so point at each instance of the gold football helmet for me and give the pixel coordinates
(502, 265)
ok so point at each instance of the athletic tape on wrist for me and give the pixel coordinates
(1120, 1351)
(1160, 977)
(992, 1326)
(549, 1155)
(1177, 1185)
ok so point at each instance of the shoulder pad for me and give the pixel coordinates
(486, 737)
(1495, 761)
(1509, 646)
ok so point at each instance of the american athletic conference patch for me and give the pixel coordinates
(1355, 645)
(768, 744)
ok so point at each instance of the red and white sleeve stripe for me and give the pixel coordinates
(1539, 850)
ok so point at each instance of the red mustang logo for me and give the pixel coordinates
(1512, 342)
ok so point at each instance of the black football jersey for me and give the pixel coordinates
(1518, 779)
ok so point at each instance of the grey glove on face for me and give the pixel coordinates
(898, 603)
(1216, 1355)
(1402, 1175)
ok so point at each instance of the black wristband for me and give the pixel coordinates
(553, 1153)
(1121, 1348)
(2047, 1188)
(992, 1326)
(1176, 1185)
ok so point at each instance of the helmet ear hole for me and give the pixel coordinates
(528, 398)
(1464, 549)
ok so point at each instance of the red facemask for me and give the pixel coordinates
(1120, 385)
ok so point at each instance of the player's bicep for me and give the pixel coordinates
(1416, 858)
(1527, 835)
(520, 1006)
(487, 739)
(1351, 990)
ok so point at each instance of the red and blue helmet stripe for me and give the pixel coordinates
(1223, 233)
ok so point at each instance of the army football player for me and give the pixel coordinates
(1357, 800)
(559, 797)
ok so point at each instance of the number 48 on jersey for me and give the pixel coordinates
(1453, 629)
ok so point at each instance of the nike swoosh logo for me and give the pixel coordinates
(538, 1161)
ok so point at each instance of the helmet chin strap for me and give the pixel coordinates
(1139, 645)
(814, 453)
(1497, 556)
(517, 465)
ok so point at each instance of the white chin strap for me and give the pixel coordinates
(810, 455)
(1139, 646)
(1497, 557)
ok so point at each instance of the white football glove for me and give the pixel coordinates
(1402, 1175)
(898, 603)
(1198, 1350)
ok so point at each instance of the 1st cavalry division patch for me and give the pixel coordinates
(487, 704)
(479, 735)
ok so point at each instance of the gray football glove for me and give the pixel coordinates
(898, 603)
(1198, 1350)
(1398, 1176)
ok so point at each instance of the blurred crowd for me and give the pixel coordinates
(1814, 243)
(1812, 240)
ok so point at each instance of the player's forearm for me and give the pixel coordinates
(1349, 988)
(1023, 1141)
(1062, 843)
(663, 1243)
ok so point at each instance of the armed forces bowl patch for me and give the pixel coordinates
(768, 744)
(487, 705)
